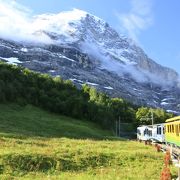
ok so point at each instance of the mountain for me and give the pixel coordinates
(85, 49)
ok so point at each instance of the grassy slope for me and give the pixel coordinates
(30, 121)
(38, 145)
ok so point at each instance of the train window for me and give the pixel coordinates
(176, 130)
(172, 128)
(164, 129)
(158, 130)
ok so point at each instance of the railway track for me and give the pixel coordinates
(175, 155)
(175, 151)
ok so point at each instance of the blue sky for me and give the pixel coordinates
(153, 24)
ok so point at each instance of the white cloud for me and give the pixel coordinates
(104, 61)
(139, 18)
(12, 18)
(16, 22)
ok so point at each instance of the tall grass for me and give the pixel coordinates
(37, 145)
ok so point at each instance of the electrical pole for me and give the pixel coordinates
(152, 117)
(119, 126)
(116, 129)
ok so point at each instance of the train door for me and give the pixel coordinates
(160, 133)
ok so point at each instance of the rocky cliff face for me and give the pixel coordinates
(85, 49)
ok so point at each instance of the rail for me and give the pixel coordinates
(175, 155)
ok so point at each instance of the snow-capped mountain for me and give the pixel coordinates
(84, 48)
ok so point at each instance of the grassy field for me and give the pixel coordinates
(38, 145)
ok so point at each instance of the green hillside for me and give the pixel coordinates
(30, 121)
(22, 86)
(35, 144)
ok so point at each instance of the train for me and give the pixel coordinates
(167, 133)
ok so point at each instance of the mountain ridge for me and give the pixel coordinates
(86, 49)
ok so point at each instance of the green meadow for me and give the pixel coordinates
(38, 145)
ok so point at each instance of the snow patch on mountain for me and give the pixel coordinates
(64, 57)
(76, 80)
(109, 88)
(24, 49)
(92, 84)
(11, 60)
(164, 103)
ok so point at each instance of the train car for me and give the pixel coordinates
(172, 131)
(144, 133)
(151, 132)
(158, 133)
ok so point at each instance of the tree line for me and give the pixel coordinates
(22, 86)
